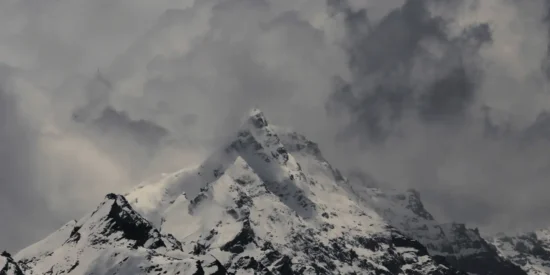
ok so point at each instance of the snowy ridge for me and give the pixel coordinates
(265, 203)
(531, 250)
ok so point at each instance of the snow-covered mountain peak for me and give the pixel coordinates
(269, 200)
(266, 202)
(257, 146)
(260, 146)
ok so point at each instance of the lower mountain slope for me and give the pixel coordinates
(530, 250)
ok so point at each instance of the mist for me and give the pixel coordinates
(447, 97)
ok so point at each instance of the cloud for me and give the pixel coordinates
(444, 97)
(436, 95)
(22, 206)
(407, 64)
(174, 80)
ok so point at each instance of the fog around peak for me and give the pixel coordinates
(447, 97)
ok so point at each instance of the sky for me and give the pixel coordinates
(445, 96)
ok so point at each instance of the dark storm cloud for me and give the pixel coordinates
(446, 103)
(406, 62)
(427, 94)
(98, 114)
(143, 131)
(134, 143)
(97, 96)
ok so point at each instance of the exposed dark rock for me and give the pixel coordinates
(199, 249)
(249, 263)
(111, 196)
(401, 241)
(75, 265)
(369, 243)
(485, 263)
(233, 213)
(283, 265)
(245, 237)
(200, 270)
(132, 227)
(243, 200)
(258, 119)
(220, 269)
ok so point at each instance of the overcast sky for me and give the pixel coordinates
(445, 96)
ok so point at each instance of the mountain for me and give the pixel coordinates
(270, 197)
(267, 202)
(531, 250)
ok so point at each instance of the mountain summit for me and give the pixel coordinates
(267, 202)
